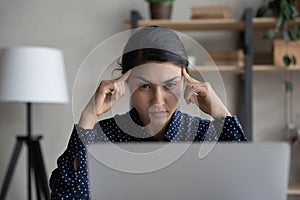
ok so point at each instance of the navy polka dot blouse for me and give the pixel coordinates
(68, 183)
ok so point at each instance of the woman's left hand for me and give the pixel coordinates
(203, 95)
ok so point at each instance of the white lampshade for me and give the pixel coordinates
(32, 74)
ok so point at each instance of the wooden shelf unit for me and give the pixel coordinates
(229, 24)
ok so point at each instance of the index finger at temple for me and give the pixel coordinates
(187, 76)
(125, 76)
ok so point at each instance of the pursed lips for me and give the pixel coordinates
(158, 113)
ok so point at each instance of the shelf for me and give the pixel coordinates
(240, 70)
(220, 68)
(262, 23)
(195, 24)
(294, 190)
(273, 68)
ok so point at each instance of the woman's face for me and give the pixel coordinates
(155, 92)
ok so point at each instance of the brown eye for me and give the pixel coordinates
(145, 86)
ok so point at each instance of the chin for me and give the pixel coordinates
(162, 121)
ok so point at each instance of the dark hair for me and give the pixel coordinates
(153, 43)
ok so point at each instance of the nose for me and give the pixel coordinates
(158, 95)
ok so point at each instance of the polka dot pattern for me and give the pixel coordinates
(68, 183)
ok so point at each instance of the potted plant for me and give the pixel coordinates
(160, 9)
(286, 49)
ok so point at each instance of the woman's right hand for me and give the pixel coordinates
(108, 92)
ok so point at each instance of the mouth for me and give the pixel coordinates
(158, 114)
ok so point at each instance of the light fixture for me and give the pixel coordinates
(31, 74)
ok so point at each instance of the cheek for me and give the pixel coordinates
(138, 99)
(176, 93)
(172, 98)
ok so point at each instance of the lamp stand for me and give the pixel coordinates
(35, 162)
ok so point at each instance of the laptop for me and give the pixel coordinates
(179, 171)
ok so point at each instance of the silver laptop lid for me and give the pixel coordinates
(230, 171)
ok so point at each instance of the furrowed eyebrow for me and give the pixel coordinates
(172, 79)
(148, 81)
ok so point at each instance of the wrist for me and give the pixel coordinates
(87, 119)
(221, 114)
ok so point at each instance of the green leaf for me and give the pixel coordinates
(286, 60)
(286, 34)
(294, 11)
(261, 11)
(293, 35)
(280, 21)
(284, 9)
(288, 86)
(269, 34)
(294, 60)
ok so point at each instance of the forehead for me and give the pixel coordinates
(156, 71)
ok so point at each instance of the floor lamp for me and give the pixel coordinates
(31, 75)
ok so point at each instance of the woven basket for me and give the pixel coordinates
(161, 10)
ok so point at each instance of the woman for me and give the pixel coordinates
(154, 66)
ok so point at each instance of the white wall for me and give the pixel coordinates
(76, 27)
